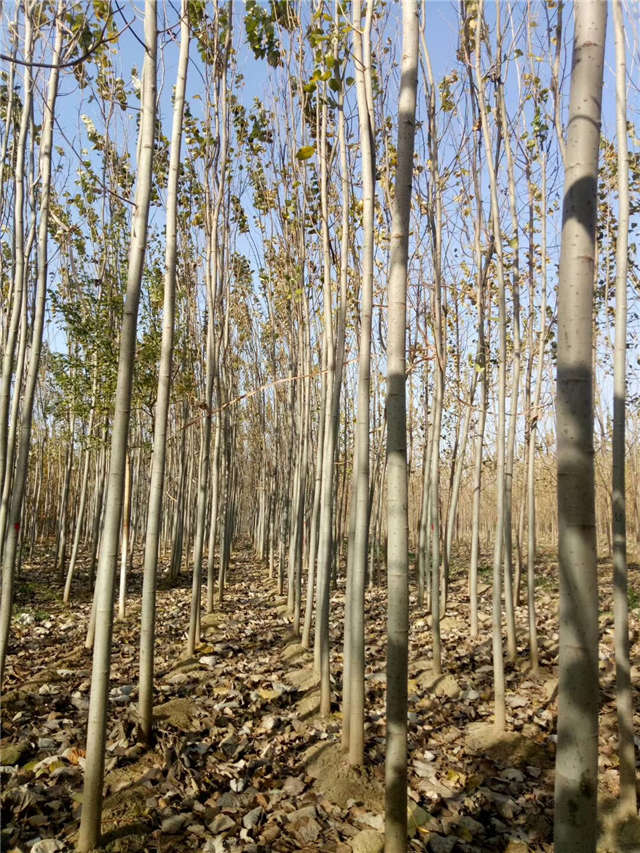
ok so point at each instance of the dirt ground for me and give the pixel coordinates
(242, 761)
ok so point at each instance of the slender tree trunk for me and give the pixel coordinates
(498, 660)
(19, 253)
(335, 355)
(624, 697)
(433, 517)
(361, 458)
(439, 336)
(348, 645)
(213, 520)
(477, 488)
(181, 505)
(61, 545)
(576, 785)
(531, 477)
(459, 466)
(14, 418)
(315, 511)
(201, 505)
(397, 518)
(22, 464)
(98, 505)
(4, 160)
(424, 555)
(89, 835)
(296, 436)
(158, 456)
(306, 420)
(124, 540)
(512, 649)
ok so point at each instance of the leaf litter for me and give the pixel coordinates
(242, 761)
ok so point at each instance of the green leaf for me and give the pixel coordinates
(305, 152)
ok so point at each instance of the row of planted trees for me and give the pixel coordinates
(322, 320)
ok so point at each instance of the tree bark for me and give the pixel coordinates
(159, 452)
(89, 834)
(498, 660)
(624, 697)
(19, 252)
(397, 518)
(361, 459)
(124, 540)
(576, 785)
(22, 463)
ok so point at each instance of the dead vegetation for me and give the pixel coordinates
(243, 762)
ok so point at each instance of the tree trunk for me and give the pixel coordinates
(624, 697)
(335, 355)
(315, 511)
(89, 835)
(83, 494)
(498, 661)
(361, 458)
(203, 482)
(159, 452)
(61, 544)
(125, 536)
(397, 518)
(576, 784)
(512, 649)
(19, 254)
(22, 464)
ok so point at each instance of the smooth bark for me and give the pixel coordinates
(576, 781)
(624, 696)
(355, 682)
(89, 834)
(159, 452)
(397, 497)
(22, 463)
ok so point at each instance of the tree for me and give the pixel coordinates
(354, 680)
(20, 259)
(89, 835)
(624, 698)
(216, 244)
(22, 465)
(498, 547)
(397, 519)
(576, 785)
(156, 486)
(334, 364)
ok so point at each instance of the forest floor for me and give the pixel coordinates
(242, 761)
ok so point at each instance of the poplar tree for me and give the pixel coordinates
(576, 783)
(354, 683)
(624, 697)
(89, 835)
(397, 497)
(156, 487)
(22, 464)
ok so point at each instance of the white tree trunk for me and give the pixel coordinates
(397, 517)
(89, 834)
(158, 457)
(576, 784)
(355, 682)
